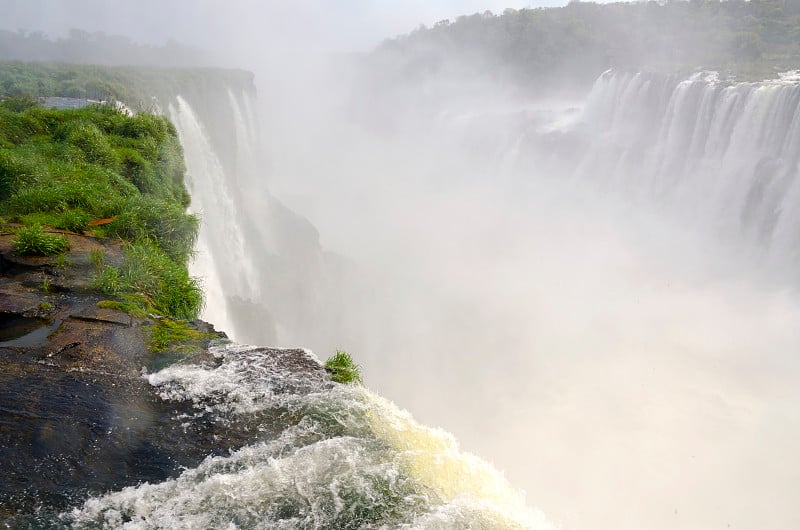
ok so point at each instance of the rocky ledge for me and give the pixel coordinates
(77, 417)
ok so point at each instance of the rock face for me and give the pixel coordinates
(76, 415)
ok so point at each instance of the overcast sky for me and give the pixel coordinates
(334, 25)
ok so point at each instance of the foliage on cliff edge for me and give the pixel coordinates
(120, 176)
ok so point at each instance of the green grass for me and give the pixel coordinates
(34, 241)
(97, 258)
(162, 285)
(97, 169)
(167, 333)
(133, 85)
(342, 368)
(47, 284)
(62, 261)
(128, 305)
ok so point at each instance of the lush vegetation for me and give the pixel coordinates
(751, 39)
(121, 175)
(137, 87)
(93, 48)
(343, 369)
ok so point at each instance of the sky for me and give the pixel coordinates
(333, 25)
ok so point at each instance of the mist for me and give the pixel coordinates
(623, 365)
(623, 360)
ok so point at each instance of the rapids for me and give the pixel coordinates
(346, 459)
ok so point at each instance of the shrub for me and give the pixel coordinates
(342, 368)
(34, 199)
(144, 125)
(34, 241)
(137, 170)
(17, 127)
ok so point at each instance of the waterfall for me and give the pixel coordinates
(221, 260)
(264, 272)
(723, 155)
(580, 275)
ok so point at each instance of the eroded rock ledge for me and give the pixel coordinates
(76, 415)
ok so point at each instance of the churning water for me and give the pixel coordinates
(346, 458)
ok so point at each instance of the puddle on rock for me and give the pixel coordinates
(19, 331)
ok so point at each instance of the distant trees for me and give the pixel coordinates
(750, 38)
(82, 47)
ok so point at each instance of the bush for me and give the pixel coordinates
(34, 241)
(17, 169)
(342, 368)
(17, 127)
(144, 125)
(137, 170)
(34, 199)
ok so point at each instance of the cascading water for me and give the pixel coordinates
(345, 458)
(261, 264)
(725, 155)
(220, 261)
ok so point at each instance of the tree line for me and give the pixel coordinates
(747, 39)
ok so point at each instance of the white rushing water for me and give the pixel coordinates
(221, 260)
(724, 156)
(345, 458)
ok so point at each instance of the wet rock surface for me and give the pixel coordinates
(77, 417)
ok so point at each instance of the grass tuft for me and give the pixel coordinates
(342, 368)
(168, 332)
(130, 307)
(97, 258)
(164, 285)
(34, 241)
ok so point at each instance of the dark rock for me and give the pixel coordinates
(76, 415)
